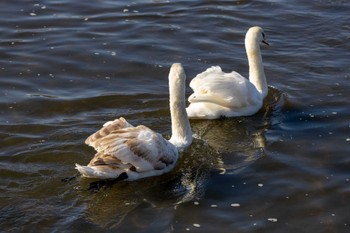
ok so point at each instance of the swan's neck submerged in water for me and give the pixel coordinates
(180, 125)
(256, 68)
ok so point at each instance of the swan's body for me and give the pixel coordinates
(218, 94)
(138, 151)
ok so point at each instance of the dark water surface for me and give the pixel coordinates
(67, 67)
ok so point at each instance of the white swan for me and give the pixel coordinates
(137, 152)
(218, 94)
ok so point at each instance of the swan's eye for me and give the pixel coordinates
(263, 35)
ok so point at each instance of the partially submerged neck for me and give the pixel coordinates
(180, 126)
(256, 68)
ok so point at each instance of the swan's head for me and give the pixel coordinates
(255, 35)
(177, 79)
(177, 72)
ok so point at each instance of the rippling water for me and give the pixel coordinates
(67, 67)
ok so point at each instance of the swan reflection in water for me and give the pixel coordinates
(223, 146)
(240, 141)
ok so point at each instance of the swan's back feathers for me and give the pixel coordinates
(107, 129)
(139, 151)
(229, 90)
(211, 73)
(139, 146)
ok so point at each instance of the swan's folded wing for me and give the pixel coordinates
(201, 78)
(138, 148)
(230, 90)
(107, 129)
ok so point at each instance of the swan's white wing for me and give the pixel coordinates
(138, 151)
(197, 81)
(230, 90)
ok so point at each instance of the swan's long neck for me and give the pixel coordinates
(180, 125)
(256, 68)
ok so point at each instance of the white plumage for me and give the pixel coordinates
(138, 151)
(217, 94)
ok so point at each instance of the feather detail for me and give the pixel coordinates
(137, 150)
(123, 147)
(108, 128)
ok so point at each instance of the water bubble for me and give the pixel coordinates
(272, 219)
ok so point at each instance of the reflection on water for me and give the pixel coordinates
(240, 141)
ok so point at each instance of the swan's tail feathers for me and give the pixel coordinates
(100, 172)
